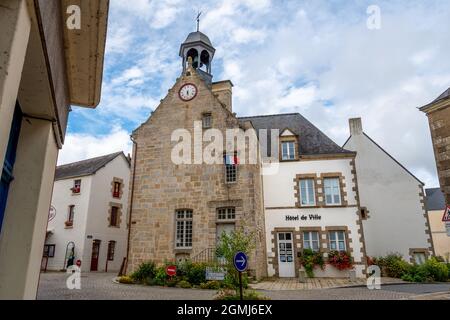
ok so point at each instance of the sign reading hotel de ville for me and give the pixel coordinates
(304, 217)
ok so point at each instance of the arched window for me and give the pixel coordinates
(193, 53)
(205, 60)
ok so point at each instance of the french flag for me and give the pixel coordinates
(231, 160)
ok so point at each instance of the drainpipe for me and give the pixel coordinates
(135, 147)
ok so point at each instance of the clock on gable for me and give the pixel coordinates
(188, 92)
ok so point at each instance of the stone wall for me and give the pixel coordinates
(440, 132)
(161, 187)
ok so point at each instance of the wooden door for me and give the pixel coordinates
(95, 255)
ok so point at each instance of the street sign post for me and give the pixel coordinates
(241, 264)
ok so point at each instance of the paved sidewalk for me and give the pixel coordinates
(315, 283)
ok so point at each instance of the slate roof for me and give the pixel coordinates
(312, 141)
(197, 36)
(434, 199)
(444, 95)
(85, 167)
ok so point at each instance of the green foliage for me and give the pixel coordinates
(228, 246)
(416, 273)
(211, 285)
(393, 265)
(341, 260)
(231, 295)
(126, 280)
(192, 272)
(310, 260)
(184, 284)
(145, 271)
(160, 277)
(436, 270)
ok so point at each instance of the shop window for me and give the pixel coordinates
(49, 250)
(114, 217)
(311, 240)
(206, 120)
(307, 193)
(288, 150)
(116, 190)
(226, 214)
(332, 191)
(337, 241)
(76, 186)
(184, 220)
(111, 250)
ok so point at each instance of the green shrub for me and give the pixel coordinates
(416, 273)
(211, 285)
(393, 265)
(172, 282)
(184, 284)
(160, 277)
(145, 270)
(436, 270)
(309, 260)
(126, 280)
(231, 295)
(192, 272)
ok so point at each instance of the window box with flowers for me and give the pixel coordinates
(341, 260)
(310, 260)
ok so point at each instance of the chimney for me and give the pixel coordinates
(355, 126)
(224, 92)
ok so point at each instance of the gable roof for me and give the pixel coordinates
(312, 141)
(434, 199)
(389, 155)
(85, 167)
(445, 95)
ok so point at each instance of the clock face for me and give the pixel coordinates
(188, 92)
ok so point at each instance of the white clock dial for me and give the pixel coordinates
(188, 92)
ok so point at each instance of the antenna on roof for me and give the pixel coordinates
(198, 20)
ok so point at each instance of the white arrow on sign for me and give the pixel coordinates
(241, 262)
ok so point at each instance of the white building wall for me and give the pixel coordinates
(99, 205)
(280, 201)
(61, 200)
(392, 196)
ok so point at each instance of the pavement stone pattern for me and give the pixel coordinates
(100, 286)
(314, 283)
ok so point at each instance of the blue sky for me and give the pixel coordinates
(313, 57)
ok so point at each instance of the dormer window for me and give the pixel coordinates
(207, 121)
(76, 186)
(288, 150)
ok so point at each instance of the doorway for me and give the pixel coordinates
(286, 264)
(95, 255)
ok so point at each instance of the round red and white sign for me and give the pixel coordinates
(171, 271)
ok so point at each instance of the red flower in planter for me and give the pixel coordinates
(340, 260)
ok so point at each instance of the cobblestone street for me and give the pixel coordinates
(99, 286)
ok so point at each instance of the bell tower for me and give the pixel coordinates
(198, 47)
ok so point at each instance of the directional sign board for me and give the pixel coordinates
(446, 217)
(240, 261)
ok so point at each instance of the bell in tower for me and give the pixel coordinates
(198, 47)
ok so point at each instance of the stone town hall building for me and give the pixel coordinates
(178, 211)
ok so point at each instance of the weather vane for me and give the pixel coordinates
(198, 21)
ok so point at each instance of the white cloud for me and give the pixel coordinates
(84, 146)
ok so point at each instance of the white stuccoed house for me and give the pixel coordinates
(88, 215)
(395, 219)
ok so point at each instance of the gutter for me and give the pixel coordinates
(131, 200)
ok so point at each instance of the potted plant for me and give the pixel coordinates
(341, 260)
(310, 259)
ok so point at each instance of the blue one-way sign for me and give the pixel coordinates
(240, 261)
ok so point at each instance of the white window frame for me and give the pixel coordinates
(183, 228)
(288, 156)
(335, 191)
(309, 203)
(310, 241)
(336, 240)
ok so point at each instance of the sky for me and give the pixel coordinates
(318, 58)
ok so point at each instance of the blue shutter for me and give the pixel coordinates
(10, 158)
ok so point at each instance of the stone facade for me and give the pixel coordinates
(439, 119)
(160, 187)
